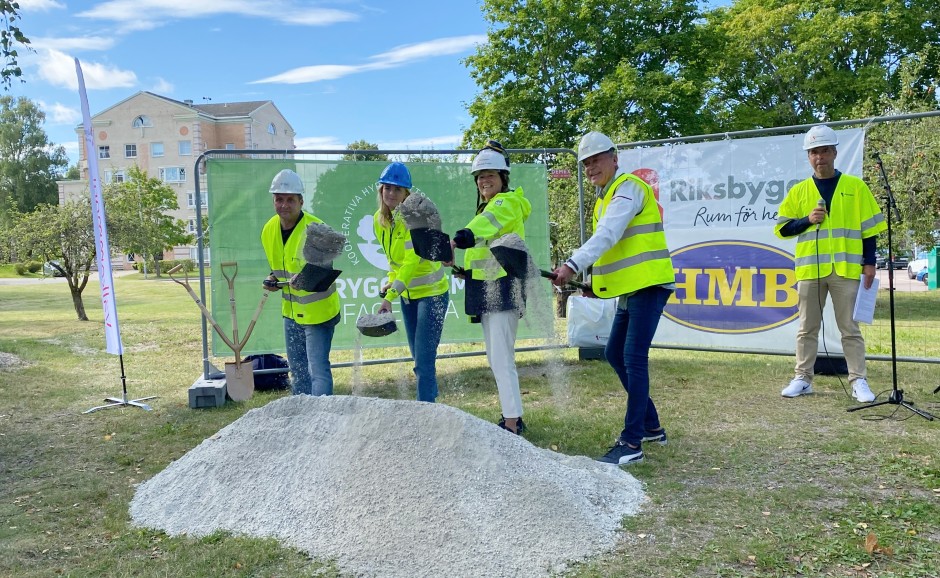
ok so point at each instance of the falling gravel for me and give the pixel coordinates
(392, 488)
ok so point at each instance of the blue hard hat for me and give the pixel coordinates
(396, 174)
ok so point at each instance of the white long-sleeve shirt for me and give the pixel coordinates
(627, 201)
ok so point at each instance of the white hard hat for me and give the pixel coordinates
(287, 182)
(820, 136)
(488, 159)
(594, 143)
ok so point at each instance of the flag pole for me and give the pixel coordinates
(112, 330)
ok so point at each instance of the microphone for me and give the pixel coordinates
(876, 156)
(822, 205)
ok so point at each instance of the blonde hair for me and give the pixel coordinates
(385, 214)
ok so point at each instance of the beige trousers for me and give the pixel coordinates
(812, 302)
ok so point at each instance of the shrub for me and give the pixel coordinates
(33, 266)
(19, 268)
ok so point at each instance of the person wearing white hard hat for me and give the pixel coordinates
(309, 317)
(835, 220)
(629, 261)
(421, 284)
(491, 297)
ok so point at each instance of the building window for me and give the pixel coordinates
(156, 149)
(272, 129)
(142, 121)
(191, 200)
(113, 177)
(104, 152)
(192, 225)
(172, 174)
(130, 151)
(194, 254)
(229, 146)
(186, 148)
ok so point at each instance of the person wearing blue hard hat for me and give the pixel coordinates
(420, 284)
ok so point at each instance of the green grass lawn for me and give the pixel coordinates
(751, 484)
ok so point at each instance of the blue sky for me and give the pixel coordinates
(389, 72)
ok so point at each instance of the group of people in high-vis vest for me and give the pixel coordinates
(627, 258)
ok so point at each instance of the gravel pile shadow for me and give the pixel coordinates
(392, 488)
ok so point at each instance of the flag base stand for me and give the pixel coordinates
(123, 401)
(115, 402)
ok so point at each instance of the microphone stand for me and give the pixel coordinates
(896, 397)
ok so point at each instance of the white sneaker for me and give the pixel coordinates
(861, 391)
(797, 387)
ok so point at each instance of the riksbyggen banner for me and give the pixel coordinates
(735, 285)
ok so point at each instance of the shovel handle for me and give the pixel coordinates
(202, 307)
(576, 284)
(254, 319)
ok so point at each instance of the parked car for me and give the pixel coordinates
(922, 275)
(50, 271)
(914, 267)
(899, 261)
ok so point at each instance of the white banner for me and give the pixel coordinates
(735, 282)
(102, 249)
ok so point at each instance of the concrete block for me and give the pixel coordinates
(207, 393)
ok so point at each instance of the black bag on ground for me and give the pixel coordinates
(269, 381)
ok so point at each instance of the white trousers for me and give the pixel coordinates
(499, 335)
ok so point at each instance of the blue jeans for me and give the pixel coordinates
(424, 322)
(627, 352)
(308, 354)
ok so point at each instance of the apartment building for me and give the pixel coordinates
(164, 137)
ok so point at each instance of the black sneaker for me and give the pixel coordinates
(622, 454)
(655, 436)
(520, 425)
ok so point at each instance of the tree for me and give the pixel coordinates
(363, 145)
(551, 70)
(137, 216)
(910, 153)
(29, 164)
(780, 62)
(10, 37)
(63, 236)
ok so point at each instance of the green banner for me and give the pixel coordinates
(343, 195)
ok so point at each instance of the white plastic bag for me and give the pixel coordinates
(589, 321)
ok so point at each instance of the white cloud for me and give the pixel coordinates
(129, 12)
(396, 57)
(58, 113)
(439, 47)
(58, 69)
(73, 44)
(162, 87)
(451, 141)
(71, 150)
(39, 5)
(319, 143)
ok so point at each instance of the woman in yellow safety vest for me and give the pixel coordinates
(492, 298)
(421, 284)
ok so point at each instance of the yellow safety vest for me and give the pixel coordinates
(287, 260)
(854, 215)
(505, 213)
(411, 276)
(640, 258)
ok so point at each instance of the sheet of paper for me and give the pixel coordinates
(865, 302)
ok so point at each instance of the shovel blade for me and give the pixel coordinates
(432, 244)
(314, 278)
(516, 262)
(239, 380)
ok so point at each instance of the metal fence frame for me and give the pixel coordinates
(210, 371)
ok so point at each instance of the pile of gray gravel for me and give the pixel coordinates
(392, 488)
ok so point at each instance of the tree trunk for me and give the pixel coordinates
(78, 304)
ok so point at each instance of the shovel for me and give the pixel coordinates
(517, 263)
(432, 245)
(314, 278)
(239, 379)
